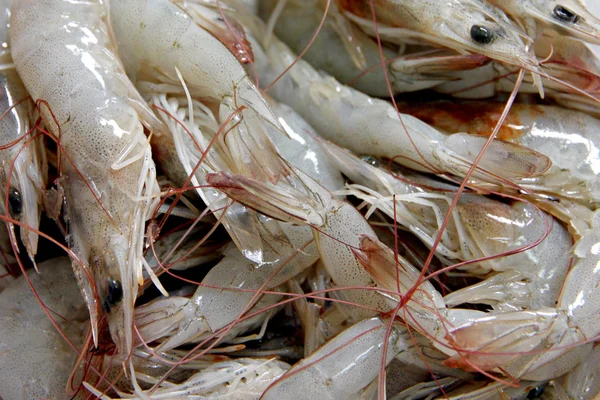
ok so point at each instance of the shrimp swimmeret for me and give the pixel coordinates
(108, 175)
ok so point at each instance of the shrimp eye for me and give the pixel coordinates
(114, 294)
(370, 160)
(565, 15)
(15, 202)
(482, 35)
(537, 392)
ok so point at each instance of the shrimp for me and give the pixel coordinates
(566, 17)
(23, 172)
(355, 354)
(222, 83)
(582, 381)
(354, 357)
(558, 338)
(571, 76)
(290, 251)
(365, 125)
(480, 228)
(290, 254)
(219, 301)
(463, 25)
(35, 361)
(107, 170)
(347, 53)
(242, 378)
(568, 138)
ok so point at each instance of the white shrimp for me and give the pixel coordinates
(23, 163)
(581, 383)
(212, 308)
(106, 170)
(463, 25)
(571, 76)
(568, 138)
(566, 17)
(365, 125)
(170, 49)
(291, 248)
(350, 55)
(243, 379)
(346, 364)
(35, 361)
(556, 337)
(480, 227)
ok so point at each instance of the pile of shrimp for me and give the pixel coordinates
(299, 199)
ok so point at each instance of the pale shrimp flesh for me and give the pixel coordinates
(350, 55)
(23, 172)
(210, 72)
(480, 228)
(366, 125)
(463, 25)
(554, 340)
(107, 171)
(565, 17)
(568, 138)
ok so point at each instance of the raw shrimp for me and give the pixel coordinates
(222, 296)
(347, 53)
(107, 170)
(346, 364)
(243, 379)
(554, 340)
(463, 25)
(290, 249)
(568, 138)
(480, 228)
(365, 125)
(208, 69)
(22, 175)
(170, 49)
(571, 77)
(566, 17)
(35, 361)
(581, 383)
(340, 231)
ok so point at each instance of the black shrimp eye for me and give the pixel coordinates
(370, 160)
(482, 35)
(15, 203)
(537, 392)
(114, 294)
(565, 15)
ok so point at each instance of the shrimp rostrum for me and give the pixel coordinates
(106, 166)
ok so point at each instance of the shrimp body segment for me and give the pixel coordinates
(106, 170)
(551, 334)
